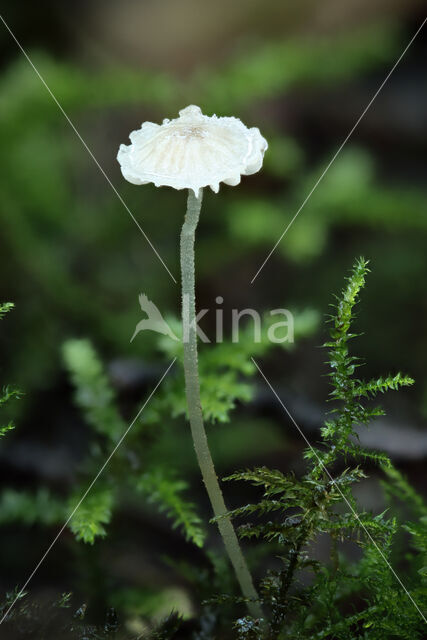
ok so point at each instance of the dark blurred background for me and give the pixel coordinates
(73, 261)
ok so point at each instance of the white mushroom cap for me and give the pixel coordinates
(192, 152)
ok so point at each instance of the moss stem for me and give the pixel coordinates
(192, 385)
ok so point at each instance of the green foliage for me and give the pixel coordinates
(50, 619)
(293, 512)
(28, 508)
(8, 393)
(5, 307)
(230, 361)
(165, 490)
(145, 444)
(24, 98)
(397, 486)
(276, 67)
(167, 629)
(349, 196)
(347, 390)
(6, 428)
(91, 516)
(412, 506)
(93, 393)
(31, 508)
(152, 602)
(95, 397)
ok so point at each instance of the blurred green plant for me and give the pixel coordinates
(7, 393)
(349, 196)
(152, 471)
(276, 67)
(96, 399)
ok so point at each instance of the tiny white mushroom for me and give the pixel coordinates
(192, 152)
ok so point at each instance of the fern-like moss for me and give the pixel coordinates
(322, 501)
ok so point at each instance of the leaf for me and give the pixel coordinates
(93, 392)
(163, 488)
(88, 521)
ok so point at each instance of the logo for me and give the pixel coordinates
(154, 320)
(264, 327)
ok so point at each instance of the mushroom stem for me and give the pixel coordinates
(192, 385)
